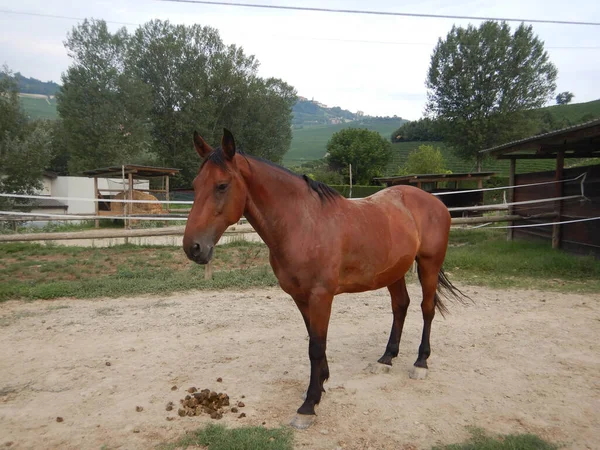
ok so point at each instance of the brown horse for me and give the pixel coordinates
(322, 244)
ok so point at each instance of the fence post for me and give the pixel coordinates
(560, 163)
(511, 196)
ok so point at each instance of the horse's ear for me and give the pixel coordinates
(201, 146)
(228, 144)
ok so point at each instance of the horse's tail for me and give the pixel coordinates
(447, 290)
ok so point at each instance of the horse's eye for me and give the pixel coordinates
(222, 187)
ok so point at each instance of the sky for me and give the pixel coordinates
(375, 64)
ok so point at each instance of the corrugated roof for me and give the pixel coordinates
(532, 139)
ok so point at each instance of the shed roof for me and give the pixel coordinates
(137, 171)
(582, 140)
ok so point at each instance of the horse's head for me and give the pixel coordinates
(219, 198)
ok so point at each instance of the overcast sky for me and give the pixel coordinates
(323, 55)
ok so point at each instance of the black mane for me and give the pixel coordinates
(324, 191)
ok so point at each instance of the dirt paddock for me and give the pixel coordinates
(516, 361)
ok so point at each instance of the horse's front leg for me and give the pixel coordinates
(315, 309)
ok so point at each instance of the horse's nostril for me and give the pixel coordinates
(196, 249)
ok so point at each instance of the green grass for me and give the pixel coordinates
(484, 257)
(39, 108)
(475, 257)
(218, 437)
(479, 440)
(310, 143)
(574, 112)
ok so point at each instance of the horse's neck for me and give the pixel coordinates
(272, 194)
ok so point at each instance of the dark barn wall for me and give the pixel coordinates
(582, 237)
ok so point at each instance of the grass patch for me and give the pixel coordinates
(484, 257)
(33, 271)
(476, 257)
(479, 440)
(218, 437)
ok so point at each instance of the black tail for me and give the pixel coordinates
(447, 290)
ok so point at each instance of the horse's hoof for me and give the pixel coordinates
(378, 368)
(302, 421)
(417, 373)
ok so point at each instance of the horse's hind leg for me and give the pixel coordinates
(400, 302)
(429, 269)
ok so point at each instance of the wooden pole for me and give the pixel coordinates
(560, 164)
(511, 195)
(130, 192)
(350, 170)
(97, 203)
(208, 271)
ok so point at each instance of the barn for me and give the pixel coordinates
(576, 179)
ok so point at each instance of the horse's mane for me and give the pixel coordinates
(324, 191)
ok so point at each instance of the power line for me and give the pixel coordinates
(380, 13)
(53, 16)
(312, 38)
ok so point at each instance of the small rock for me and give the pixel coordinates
(243, 396)
(136, 430)
(219, 380)
(170, 418)
(108, 363)
(59, 419)
(48, 328)
(192, 390)
(174, 388)
(181, 412)
(216, 415)
(139, 408)
(269, 297)
(242, 415)
(241, 404)
(170, 406)
(264, 423)
(234, 410)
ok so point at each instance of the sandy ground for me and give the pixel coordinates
(516, 361)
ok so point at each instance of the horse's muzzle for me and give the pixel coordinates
(200, 253)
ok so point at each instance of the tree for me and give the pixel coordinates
(157, 86)
(482, 80)
(23, 159)
(425, 160)
(564, 98)
(104, 109)
(366, 150)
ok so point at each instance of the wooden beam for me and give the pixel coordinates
(491, 219)
(560, 164)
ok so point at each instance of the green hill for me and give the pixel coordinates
(310, 143)
(39, 106)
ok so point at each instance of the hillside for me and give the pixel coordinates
(312, 113)
(35, 86)
(38, 106)
(310, 143)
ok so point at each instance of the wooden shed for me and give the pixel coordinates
(580, 143)
(431, 183)
(127, 174)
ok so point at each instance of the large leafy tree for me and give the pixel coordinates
(178, 79)
(366, 150)
(424, 160)
(482, 80)
(103, 107)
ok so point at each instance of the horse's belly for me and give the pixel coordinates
(368, 277)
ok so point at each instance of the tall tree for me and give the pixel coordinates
(482, 80)
(179, 79)
(103, 107)
(366, 150)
